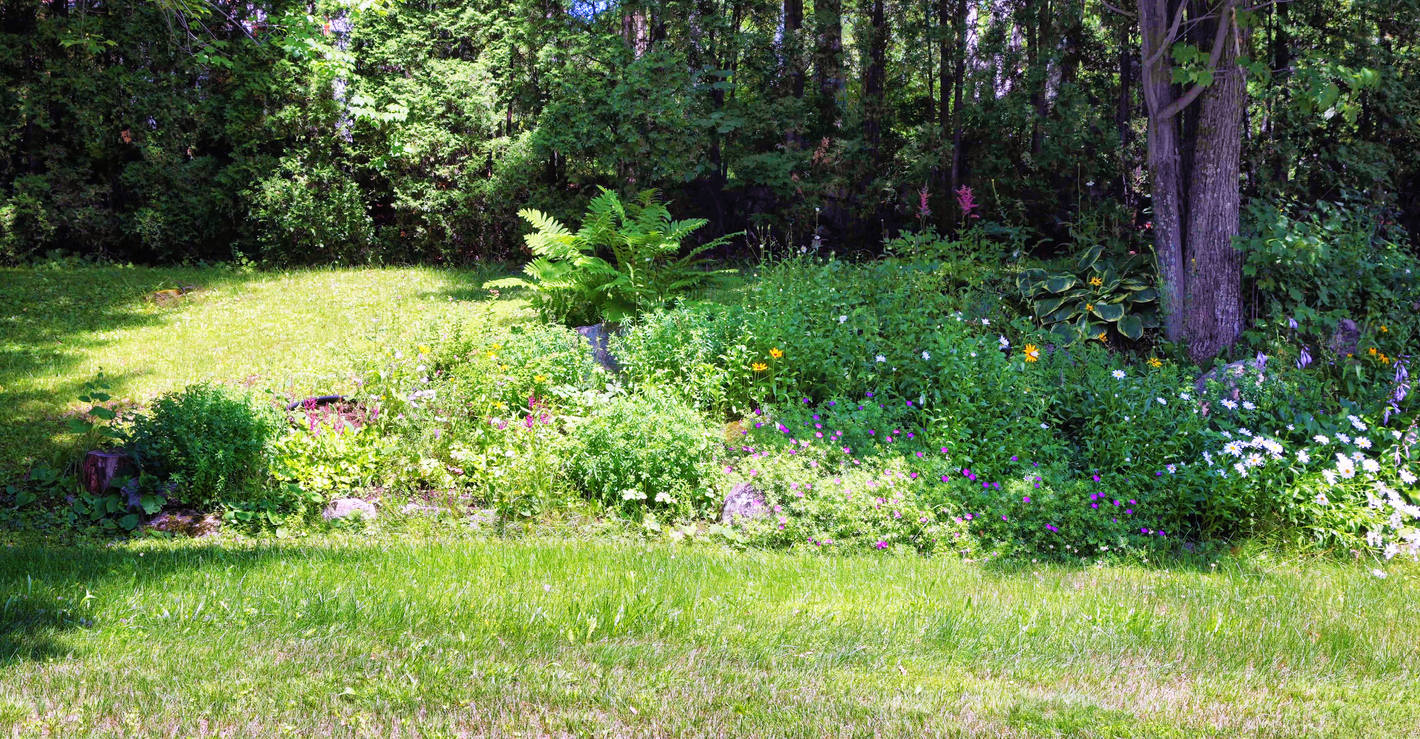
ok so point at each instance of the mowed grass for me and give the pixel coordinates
(437, 635)
(292, 333)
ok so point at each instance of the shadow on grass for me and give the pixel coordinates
(43, 588)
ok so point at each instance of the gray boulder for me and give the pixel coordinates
(599, 336)
(743, 502)
(1346, 338)
(347, 507)
(1246, 370)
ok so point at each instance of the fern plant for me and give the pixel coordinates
(572, 282)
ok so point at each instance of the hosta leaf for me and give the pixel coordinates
(1147, 295)
(1065, 333)
(1131, 327)
(1109, 311)
(1060, 283)
(1048, 305)
(1089, 258)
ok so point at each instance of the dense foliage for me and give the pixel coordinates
(339, 132)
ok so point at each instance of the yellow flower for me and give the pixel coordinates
(1032, 353)
(496, 347)
(1155, 363)
(776, 353)
(1385, 359)
(1096, 282)
(759, 366)
(1101, 336)
(492, 355)
(1373, 351)
(1089, 306)
(423, 349)
(1384, 329)
(503, 367)
(539, 378)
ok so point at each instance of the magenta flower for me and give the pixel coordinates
(881, 545)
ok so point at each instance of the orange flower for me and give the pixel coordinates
(776, 353)
(1373, 351)
(759, 366)
(1032, 353)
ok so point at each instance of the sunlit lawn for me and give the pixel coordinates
(401, 635)
(290, 332)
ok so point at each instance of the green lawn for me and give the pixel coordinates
(455, 636)
(290, 332)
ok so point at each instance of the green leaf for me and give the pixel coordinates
(1065, 333)
(130, 522)
(25, 497)
(1131, 327)
(151, 504)
(1048, 305)
(1109, 311)
(1089, 258)
(1061, 283)
(1147, 295)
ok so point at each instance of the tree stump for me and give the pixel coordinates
(99, 469)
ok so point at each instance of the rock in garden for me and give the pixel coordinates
(599, 336)
(1230, 374)
(347, 507)
(1345, 338)
(743, 502)
(187, 523)
(484, 517)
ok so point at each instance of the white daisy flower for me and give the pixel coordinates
(1118, 374)
(1344, 438)
(1247, 405)
(1407, 477)
(1321, 499)
(1233, 448)
(1374, 538)
(843, 319)
(1004, 344)
(1321, 439)
(1345, 467)
(1230, 405)
(880, 359)
(1356, 423)
(1255, 460)
(1370, 465)
(1242, 470)
(1183, 396)
(1303, 457)
(1162, 401)
(1391, 550)
(1330, 476)
(1363, 442)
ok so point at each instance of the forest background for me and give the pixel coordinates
(372, 132)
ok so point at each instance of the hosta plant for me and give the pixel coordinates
(573, 281)
(1094, 298)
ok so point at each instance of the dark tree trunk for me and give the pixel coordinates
(828, 62)
(1124, 111)
(873, 77)
(793, 46)
(1155, 21)
(1215, 266)
(958, 79)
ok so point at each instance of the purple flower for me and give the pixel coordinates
(1025, 499)
(1013, 457)
(832, 403)
(1094, 505)
(1003, 517)
(870, 395)
(1096, 478)
(909, 404)
(881, 545)
(806, 401)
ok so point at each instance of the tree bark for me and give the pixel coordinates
(1214, 281)
(1155, 21)
(873, 77)
(958, 79)
(828, 62)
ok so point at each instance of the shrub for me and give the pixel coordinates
(688, 351)
(645, 451)
(570, 283)
(206, 444)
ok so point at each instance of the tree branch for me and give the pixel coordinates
(1168, 38)
(1118, 10)
(1219, 38)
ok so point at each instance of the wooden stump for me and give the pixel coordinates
(99, 469)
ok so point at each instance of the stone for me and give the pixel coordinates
(347, 507)
(187, 523)
(1346, 338)
(1230, 374)
(743, 502)
(599, 336)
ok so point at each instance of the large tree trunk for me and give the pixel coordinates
(1214, 281)
(1155, 20)
(874, 72)
(828, 62)
(958, 80)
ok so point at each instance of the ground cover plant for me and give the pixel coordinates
(570, 636)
